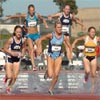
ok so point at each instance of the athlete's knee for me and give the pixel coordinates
(31, 50)
(9, 76)
(50, 75)
(87, 71)
(14, 77)
(56, 76)
(93, 75)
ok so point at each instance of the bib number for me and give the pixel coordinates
(65, 29)
(90, 50)
(32, 23)
(56, 48)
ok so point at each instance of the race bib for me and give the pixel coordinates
(89, 50)
(56, 48)
(66, 21)
(32, 23)
(65, 29)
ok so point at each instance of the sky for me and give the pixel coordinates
(44, 7)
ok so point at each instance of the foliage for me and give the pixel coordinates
(4, 36)
(1, 9)
(79, 34)
(98, 33)
(4, 31)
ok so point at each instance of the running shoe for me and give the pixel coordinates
(45, 75)
(8, 91)
(50, 92)
(85, 78)
(5, 80)
(70, 63)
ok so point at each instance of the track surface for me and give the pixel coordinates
(59, 94)
(36, 96)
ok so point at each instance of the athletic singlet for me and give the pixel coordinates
(90, 46)
(55, 45)
(66, 23)
(31, 22)
(15, 47)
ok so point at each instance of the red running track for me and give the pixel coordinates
(48, 97)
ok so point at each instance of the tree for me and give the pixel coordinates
(62, 3)
(1, 9)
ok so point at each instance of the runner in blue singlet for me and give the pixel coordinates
(54, 57)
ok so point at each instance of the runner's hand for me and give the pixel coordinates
(49, 18)
(21, 55)
(84, 29)
(73, 46)
(7, 17)
(46, 26)
(39, 51)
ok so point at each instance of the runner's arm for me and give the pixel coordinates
(6, 48)
(76, 40)
(98, 38)
(77, 20)
(46, 37)
(54, 15)
(43, 20)
(15, 16)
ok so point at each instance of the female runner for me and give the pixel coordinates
(54, 57)
(90, 58)
(32, 31)
(13, 48)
